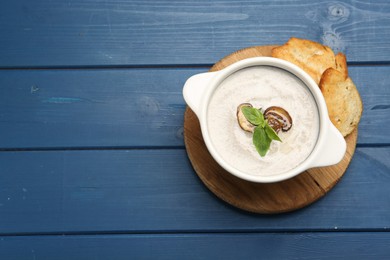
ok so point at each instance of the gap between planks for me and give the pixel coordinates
(155, 66)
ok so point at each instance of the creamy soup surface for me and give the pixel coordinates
(263, 86)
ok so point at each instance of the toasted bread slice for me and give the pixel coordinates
(312, 57)
(341, 64)
(344, 104)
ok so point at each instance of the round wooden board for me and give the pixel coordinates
(265, 198)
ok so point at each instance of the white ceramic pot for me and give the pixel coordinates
(329, 148)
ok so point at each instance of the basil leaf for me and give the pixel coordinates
(271, 133)
(253, 115)
(261, 117)
(261, 141)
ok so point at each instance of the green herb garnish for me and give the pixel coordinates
(263, 133)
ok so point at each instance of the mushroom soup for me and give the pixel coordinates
(263, 87)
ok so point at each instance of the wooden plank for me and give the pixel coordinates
(128, 32)
(73, 108)
(131, 108)
(340, 245)
(158, 191)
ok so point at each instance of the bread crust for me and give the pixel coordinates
(330, 72)
(342, 99)
(312, 57)
(341, 64)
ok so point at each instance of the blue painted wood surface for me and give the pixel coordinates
(320, 245)
(157, 190)
(132, 107)
(104, 33)
(92, 161)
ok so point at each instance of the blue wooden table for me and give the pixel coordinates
(92, 158)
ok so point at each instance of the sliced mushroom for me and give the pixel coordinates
(275, 123)
(242, 121)
(278, 118)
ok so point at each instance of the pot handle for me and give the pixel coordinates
(333, 150)
(194, 90)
